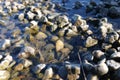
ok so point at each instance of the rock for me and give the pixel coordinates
(101, 69)
(114, 12)
(4, 64)
(48, 73)
(71, 33)
(1, 56)
(26, 63)
(54, 38)
(92, 77)
(26, 52)
(90, 42)
(39, 67)
(117, 74)
(14, 9)
(103, 31)
(30, 15)
(4, 75)
(112, 37)
(16, 33)
(41, 36)
(77, 5)
(115, 55)
(59, 45)
(2, 22)
(106, 46)
(76, 17)
(19, 67)
(63, 72)
(54, 27)
(33, 23)
(20, 6)
(4, 44)
(98, 54)
(21, 17)
(44, 19)
(9, 58)
(113, 64)
(88, 56)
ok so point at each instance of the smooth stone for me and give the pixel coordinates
(4, 75)
(59, 45)
(54, 38)
(4, 44)
(26, 63)
(92, 77)
(71, 33)
(21, 17)
(106, 46)
(33, 23)
(102, 69)
(9, 58)
(48, 73)
(19, 67)
(4, 64)
(30, 15)
(113, 64)
(26, 52)
(39, 67)
(115, 55)
(1, 56)
(90, 42)
(117, 74)
(40, 35)
(98, 54)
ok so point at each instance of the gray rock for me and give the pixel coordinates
(4, 75)
(113, 64)
(90, 42)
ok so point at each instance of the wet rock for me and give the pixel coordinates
(4, 44)
(26, 63)
(98, 54)
(59, 45)
(77, 5)
(40, 36)
(26, 52)
(106, 46)
(4, 75)
(38, 68)
(71, 33)
(19, 67)
(90, 42)
(115, 55)
(63, 72)
(112, 37)
(117, 74)
(114, 12)
(92, 77)
(30, 15)
(48, 73)
(21, 17)
(102, 69)
(113, 64)
(88, 56)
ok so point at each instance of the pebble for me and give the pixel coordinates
(113, 64)
(26, 63)
(98, 54)
(19, 67)
(92, 77)
(115, 55)
(48, 73)
(102, 69)
(39, 67)
(4, 44)
(4, 75)
(21, 16)
(59, 45)
(90, 42)
(41, 36)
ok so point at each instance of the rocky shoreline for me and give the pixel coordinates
(45, 40)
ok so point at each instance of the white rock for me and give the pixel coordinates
(71, 33)
(77, 17)
(33, 23)
(1, 57)
(4, 44)
(48, 74)
(98, 54)
(4, 75)
(92, 77)
(20, 6)
(9, 58)
(30, 15)
(113, 64)
(115, 55)
(4, 64)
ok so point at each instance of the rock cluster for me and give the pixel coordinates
(40, 43)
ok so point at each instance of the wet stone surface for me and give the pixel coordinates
(59, 39)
